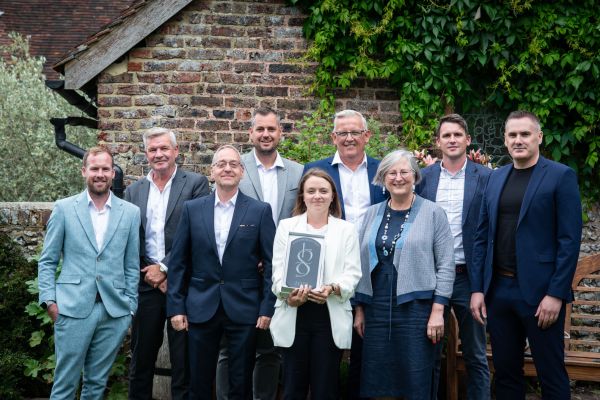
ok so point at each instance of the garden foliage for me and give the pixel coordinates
(471, 57)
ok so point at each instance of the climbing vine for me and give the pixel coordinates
(470, 57)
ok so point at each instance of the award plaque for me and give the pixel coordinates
(305, 254)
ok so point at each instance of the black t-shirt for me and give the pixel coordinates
(509, 207)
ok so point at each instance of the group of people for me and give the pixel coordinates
(401, 247)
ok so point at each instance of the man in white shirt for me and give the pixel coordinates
(352, 171)
(457, 185)
(273, 179)
(160, 196)
(215, 289)
(91, 302)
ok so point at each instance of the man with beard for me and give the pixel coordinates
(93, 299)
(273, 179)
(160, 196)
(214, 287)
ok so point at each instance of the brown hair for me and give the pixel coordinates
(335, 208)
(95, 151)
(455, 118)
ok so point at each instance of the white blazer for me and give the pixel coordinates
(341, 266)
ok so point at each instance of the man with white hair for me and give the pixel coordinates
(160, 196)
(352, 171)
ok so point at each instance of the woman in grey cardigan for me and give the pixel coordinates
(407, 262)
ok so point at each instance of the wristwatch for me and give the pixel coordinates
(46, 304)
(163, 268)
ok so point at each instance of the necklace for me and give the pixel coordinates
(388, 217)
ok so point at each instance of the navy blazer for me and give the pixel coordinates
(198, 282)
(326, 165)
(476, 178)
(548, 232)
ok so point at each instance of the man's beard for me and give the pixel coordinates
(104, 191)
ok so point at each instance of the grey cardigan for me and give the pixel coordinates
(424, 256)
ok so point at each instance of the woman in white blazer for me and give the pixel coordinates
(313, 325)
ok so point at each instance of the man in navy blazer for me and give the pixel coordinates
(457, 184)
(350, 167)
(214, 286)
(352, 172)
(524, 258)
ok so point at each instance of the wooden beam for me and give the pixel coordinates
(119, 41)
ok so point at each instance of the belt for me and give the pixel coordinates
(505, 272)
(461, 268)
(98, 298)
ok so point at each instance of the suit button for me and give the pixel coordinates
(222, 282)
(98, 259)
(98, 278)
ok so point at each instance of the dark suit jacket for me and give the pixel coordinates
(185, 186)
(326, 165)
(476, 178)
(198, 282)
(548, 232)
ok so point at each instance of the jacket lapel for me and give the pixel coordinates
(241, 205)
(83, 213)
(143, 203)
(431, 185)
(371, 170)
(176, 188)
(116, 212)
(496, 192)
(471, 182)
(282, 177)
(208, 214)
(534, 182)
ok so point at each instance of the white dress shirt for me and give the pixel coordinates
(223, 217)
(450, 195)
(99, 218)
(355, 188)
(156, 214)
(268, 183)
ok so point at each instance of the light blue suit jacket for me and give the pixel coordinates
(112, 271)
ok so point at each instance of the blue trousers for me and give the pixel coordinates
(89, 344)
(510, 321)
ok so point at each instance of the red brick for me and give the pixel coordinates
(114, 101)
(212, 125)
(186, 77)
(140, 53)
(208, 101)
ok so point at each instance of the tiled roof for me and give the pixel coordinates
(56, 26)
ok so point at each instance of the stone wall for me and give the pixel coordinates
(25, 223)
(205, 70)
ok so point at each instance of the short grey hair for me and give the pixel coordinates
(224, 147)
(392, 159)
(156, 132)
(346, 114)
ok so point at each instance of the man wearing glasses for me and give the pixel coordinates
(352, 171)
(214, 286)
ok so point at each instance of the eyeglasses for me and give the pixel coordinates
(354, 134)
(222, 164)
(404, 174)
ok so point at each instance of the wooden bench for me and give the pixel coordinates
(582, 333)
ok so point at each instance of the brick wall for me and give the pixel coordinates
(204, 71)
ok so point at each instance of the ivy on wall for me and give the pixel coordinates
(470, 57)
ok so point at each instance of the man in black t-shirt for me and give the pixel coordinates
(524, 258)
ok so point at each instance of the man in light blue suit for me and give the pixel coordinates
(93, 299)
(457, 184)
(273, 179)
(524, 257)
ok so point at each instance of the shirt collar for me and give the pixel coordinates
(338, 160)
(460, 171)
(231, 201)
(278, 161)
(150, 176)
(90, 202)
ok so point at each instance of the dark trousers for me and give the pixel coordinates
(204, 339)
(510, 321)
(146, 338)
(355, 366)
(313, 360)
